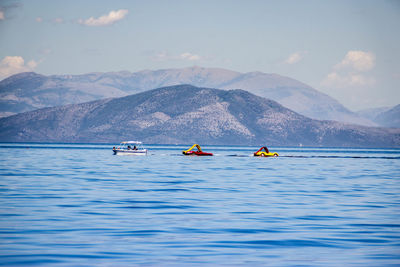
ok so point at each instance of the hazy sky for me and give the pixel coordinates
(346, 49)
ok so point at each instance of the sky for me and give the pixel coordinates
(346, 49)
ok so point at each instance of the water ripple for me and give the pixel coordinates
(78, 205)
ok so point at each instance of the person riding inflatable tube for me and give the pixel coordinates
(199, 152)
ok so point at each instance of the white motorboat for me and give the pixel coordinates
(130, 148)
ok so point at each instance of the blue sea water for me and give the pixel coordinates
(79, 205)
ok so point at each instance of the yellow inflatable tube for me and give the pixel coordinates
(190, 149)
(265, 153)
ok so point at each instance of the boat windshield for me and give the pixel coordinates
(130, 146)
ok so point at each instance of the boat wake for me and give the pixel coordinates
(341, 157)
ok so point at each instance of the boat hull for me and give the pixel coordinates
(130, 152)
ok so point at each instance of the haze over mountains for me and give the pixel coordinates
(387, 117)
(185, 114)
(29, 91)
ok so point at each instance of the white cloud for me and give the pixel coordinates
(32, 64)
(164, 56)
(8, 8)
(105, 20)
(161, 56)
(360, 80)
(350, 72)
(357, 61)
(15, 64)
(294, 58)
(58, 20)
(339, 80)
(189, 56)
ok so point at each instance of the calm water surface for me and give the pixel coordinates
(79, 205)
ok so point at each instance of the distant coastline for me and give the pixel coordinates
(186, 114)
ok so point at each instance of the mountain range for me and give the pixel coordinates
(29, 91)
(387, 116)
(185, 114)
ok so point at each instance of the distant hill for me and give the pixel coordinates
(386, 116)
(371, 113)
(29, 91)
(186, 114)
(389, 118)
